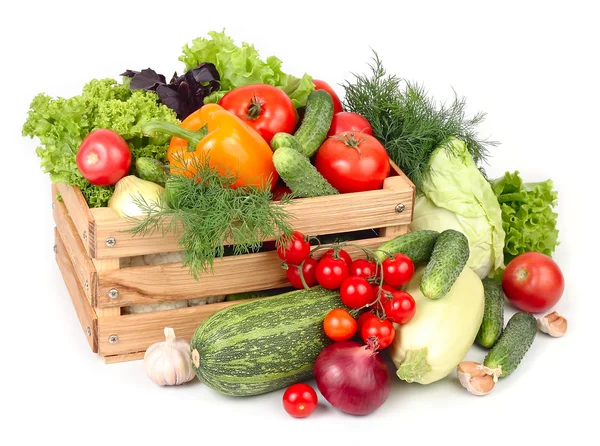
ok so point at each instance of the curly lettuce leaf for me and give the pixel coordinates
(242, 65)
(61, 124)
(528, 218)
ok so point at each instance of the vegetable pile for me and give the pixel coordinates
(221, 152)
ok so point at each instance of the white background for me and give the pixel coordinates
(532, 66)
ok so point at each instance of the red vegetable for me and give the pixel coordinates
(398, 271)
(400, 308)
(339, 325)
(341, 254)
(353, 162)
(337, 103)
(309, 268)
(103, 157)
(295, 251)
(265, 108)
(300, 400)
(356, 292)
(362, 268)
(352, 377)
(362, 319)
(533, 282)
(349, 122)
(331, 273)
(382, 330)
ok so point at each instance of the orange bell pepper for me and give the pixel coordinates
(232, 146)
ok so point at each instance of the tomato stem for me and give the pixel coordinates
(351, 141)
(255, 108)
(193, 137)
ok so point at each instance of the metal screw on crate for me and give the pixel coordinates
(85, 235)
(88, 331)
(400, 207)
(55, 249)
(110, 242)
(113, 339)
(113, 294)
(53, 205)
(86, 285)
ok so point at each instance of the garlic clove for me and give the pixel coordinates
(168, 362)
(553, 324)
(476, 378)
(481, 385)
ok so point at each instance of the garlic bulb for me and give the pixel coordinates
(168, 362)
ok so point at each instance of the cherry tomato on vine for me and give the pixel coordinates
(398, 270)
(308, 272)
(362, 319)
(295, 251)
(400, 308)
(300, 400)
(383, 330)
(382, 296)
(362, 268)
(341, 254)
(356, 292)
(331, 273)
(339, 325)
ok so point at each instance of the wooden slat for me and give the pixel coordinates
(169, 282)
(85, 313)
(79, 212)
(114, 359)
(136, 332)
(80, 259)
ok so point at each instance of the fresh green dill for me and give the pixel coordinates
(410, 123)
(210, 218)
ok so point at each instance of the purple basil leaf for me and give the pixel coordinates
(172, 99)
(147, 80)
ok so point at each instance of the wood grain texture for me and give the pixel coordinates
(170, 282)
(115, 359)
(85, 313)
(80, 259)
(136, 332)
(79, 212)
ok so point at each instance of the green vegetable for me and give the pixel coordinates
(493, 316)
(457, 196)
(151, 169)
(263, 345)
(282, 139)
(257, 294)
(449, 257)
(211, 219)
(527, 215)
(417, 245)
(409, 123)
(515, 341)
(316, 122)
(241, 65)
(430, 346)
(300, 175)
(61, 125)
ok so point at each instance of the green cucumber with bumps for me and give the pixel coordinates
(514, 342)
(417, 245)
(316, 122)
(300, 175)
(283, 139)
(493, 315)
(448, 258)
(261, 346)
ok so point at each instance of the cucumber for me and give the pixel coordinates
(316, 122)
(515, 340)
(283, 139)
(493, 316)
(300, 175)
(448, 258)
(417, 245)
(261, 346)
(150, 169)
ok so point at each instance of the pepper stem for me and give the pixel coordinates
(193, 137)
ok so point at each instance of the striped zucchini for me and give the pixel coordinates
(263, 345)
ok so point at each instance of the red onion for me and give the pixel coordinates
(353, 377)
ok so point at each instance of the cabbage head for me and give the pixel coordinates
(456, 195)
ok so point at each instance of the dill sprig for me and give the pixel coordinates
(410, 123)
(207, 215)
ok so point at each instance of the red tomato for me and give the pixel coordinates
(353, 162)
(356, 292)
(103, 157)
(349, 122)
(362, 319)
(382, 296)
(339, 325)
(383, 330)
(337, 104)
(265, 108)
(362, 268)
(398, 271)
(280, 191)
(331, 273)
(401, 308)
(300, 400)
(309, 268)
(295, 251)
(341, 254)
(533, 282)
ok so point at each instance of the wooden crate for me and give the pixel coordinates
(90, 244)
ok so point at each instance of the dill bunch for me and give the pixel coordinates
(210, 218)
(410, 123)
